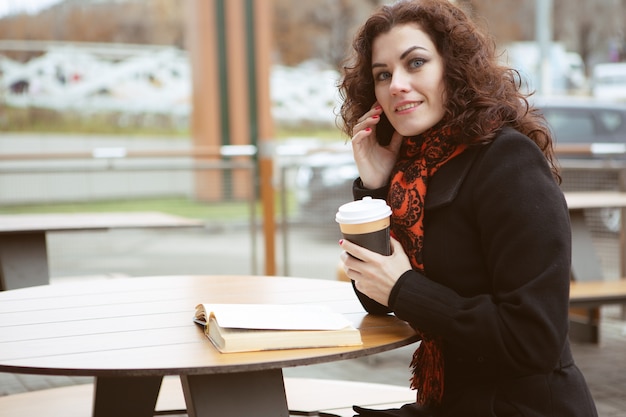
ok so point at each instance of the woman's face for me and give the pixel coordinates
(408, 79)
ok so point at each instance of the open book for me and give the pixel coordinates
(250, 327)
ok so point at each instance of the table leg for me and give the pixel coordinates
(23, 260)
(240, 394)
(126, 396)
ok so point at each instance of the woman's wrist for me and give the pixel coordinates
(372, 186)
(373, 183)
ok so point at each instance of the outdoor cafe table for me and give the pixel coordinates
(585, 260)
(23, 251)
(130, 332)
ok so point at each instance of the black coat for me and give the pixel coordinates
(497, 256)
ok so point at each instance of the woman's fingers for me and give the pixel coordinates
(368, 120)
(361, 135)
(376, 110)
(355, 250)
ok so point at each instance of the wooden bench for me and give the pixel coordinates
(586, 298)
(597, 293)
(305, 396)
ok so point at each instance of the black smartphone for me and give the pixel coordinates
(384, 131)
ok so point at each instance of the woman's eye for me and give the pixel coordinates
(382, 76)
(416, 62)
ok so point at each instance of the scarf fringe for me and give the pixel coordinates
(427, 366)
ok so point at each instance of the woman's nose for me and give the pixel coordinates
(399, 83)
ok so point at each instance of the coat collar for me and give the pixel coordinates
(444, 186)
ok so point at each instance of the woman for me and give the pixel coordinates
(481, 236)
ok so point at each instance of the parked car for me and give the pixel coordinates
(583, 120)
(601, 124)
(324, 180)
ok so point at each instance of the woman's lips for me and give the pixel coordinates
(406, 106)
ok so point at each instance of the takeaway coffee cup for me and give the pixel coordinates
(366, 223)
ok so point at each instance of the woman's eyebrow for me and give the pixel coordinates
(404, 54)
(411, 49)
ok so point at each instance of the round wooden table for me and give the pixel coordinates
(130, 332)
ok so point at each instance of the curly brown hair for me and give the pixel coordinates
(482, 96)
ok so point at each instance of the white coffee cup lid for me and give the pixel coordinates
(362, 211)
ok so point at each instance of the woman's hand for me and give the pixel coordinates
(373, 161)
(374, 274)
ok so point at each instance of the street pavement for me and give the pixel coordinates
(306, 252)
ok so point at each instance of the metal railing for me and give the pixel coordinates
(31, 178)
(208, 176)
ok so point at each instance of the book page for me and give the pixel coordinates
(277, 317)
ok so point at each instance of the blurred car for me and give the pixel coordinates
(600, 124)
(324, 179)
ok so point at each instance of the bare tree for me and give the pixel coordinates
(506, 20)
(321, 29)
(589, 27)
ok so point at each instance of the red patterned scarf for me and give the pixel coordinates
(418, 160)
